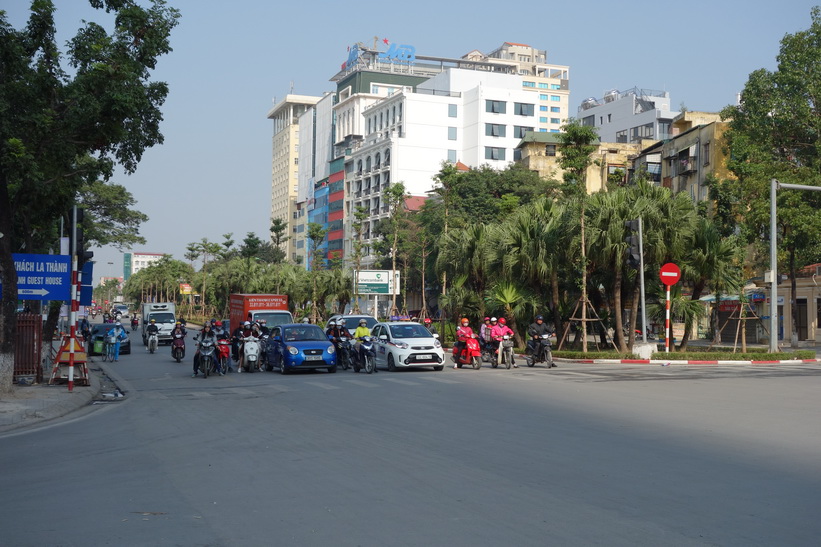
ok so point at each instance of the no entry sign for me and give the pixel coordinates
(670, 274)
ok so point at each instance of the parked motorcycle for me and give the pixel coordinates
(178, 347)
(542, 352)
(366, 344)
(504, 353)
(153, 341)
(249, 360)
(470, 354)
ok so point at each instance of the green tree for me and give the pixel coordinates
(316, 234)
(394, 196)
(60, 131)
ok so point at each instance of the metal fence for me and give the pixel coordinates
(28, 348)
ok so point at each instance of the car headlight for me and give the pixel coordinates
(331, 349)
(401, 345)
(292, 350)
(437, 344)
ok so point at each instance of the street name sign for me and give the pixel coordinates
(377, 282)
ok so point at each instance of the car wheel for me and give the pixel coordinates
(391, 363)
(332, 369)
(437, 368)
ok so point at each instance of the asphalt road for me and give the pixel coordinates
(579, 455)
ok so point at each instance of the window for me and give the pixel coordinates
(451, 111)
(452, 156)
(494, 153)
(555, 120)
(523, 109)
(520, 130)
(555, 86)
(451, 133)
(494, 130)
(543, 119)
(497, 107)
(556, 109)
(641, 132)
(517, 154)
(529, 84)
(542, 85)
(543, 97)
(621, 136)
(550, 150)
(542, 108)
(705, 151)
(556, 98)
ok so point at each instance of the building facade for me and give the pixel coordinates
(285, 165)
(134, 262)
(629, 116)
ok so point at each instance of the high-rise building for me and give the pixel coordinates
(134, 262)
(285, 167)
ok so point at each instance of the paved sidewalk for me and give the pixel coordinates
(31, 405)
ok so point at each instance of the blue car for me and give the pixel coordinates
(299, 346)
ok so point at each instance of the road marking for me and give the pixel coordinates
(323, 385)
(362, 383)
(200, 394)
(242, 391)
(400, 381)
(440, 380)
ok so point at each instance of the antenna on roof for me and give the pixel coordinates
(292, 87)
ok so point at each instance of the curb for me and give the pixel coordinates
(685, 362)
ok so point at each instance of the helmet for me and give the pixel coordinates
(246, 324)
(340, 321)
(151, 320)
(427, 320)
(363, 322)
(502, 321)
(117, 324)
(213, 320)
(177, 323)
(218, 323)
(539, 318)
(487, 319)
(207, 325)
(465, 321)
(263, 321)
(306, 320)
(493, 319)
(331, 323)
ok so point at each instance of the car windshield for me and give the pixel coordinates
(410, 330)
(163, 317)
(354, 320)
(273, 319)
(306, 333)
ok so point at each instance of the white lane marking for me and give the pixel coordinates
(404, 382)
(323, 385)
(362, 383)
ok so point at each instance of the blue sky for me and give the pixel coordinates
(232, 60)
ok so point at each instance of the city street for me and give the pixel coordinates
(577, 455)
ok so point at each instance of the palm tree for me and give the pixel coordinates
(470, 252)
(510, 298)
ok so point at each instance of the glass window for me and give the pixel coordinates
(519, 131)
(542, 108)
(451, 111)
(544, 97)
(542, 85)
(555, 120)
(494, 153)
(451, 133)
(523, 109)
(494, 130)
(556, 109)
(529, 84)
(452, 156)
(555, 98)
(497, 107)
(543, 119)
(555, 86)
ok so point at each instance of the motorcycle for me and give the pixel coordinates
(224, 353)
(207, 362)
(366, 345)
(504, 353)
(134, 323)
(345, 352)
(542, 352)
(153, 340)
(249, 359)
(263, 355)
(93, 314)
(178, 347)
(470, 354)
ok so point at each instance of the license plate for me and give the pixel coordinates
(424, 357)
(313, 358)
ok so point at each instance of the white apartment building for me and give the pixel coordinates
(476, 117)
(629, 116)
(285, 165)
(134, 262)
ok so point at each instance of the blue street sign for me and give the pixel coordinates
(43, 277)
(86, 289)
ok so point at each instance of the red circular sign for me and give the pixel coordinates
(669, 274)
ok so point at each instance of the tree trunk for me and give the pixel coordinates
(617, 305)
(557, 315)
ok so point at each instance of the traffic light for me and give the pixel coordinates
(633, 244)
(83, 255)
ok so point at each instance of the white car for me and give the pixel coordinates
(404, 344)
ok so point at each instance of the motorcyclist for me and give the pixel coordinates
(463, 332)
(85, 328)
(220, 332)
(484, 333)
(498, 332)
(263, 328)
(118, 332)
(361, 331)
(247, 330)
(429, 325)
(152, 328)
(535, 332)
(134, 323)
(178, 329)
(236, 336)
(206, 332)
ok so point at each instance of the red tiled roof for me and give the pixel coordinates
(414, 203)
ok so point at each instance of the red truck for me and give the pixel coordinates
(253, 307)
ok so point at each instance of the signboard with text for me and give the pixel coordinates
(43, 277)
(377, 282)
